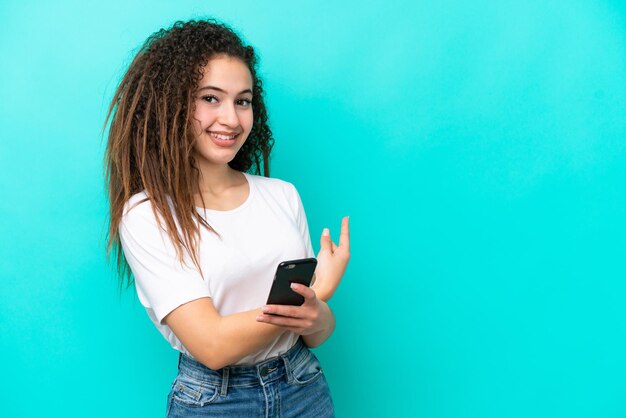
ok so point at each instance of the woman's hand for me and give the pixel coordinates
(332, 262)
(309, 318)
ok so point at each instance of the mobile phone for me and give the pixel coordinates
(298, 271)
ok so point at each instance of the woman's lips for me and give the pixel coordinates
(223, 139)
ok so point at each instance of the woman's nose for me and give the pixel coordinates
(228, 115)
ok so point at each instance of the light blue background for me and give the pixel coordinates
(479, 148)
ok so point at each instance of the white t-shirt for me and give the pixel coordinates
(269, 227)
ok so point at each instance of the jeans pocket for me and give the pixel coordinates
(308, 370)
(192, 392)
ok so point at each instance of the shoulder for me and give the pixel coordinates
(272, 185)
(280, 191)
(139, 203)
(138, 213)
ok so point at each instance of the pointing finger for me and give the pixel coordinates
(344, 236)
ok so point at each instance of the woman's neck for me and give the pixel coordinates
(214, 179)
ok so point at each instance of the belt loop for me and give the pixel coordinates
(287, 368)
(224, 389)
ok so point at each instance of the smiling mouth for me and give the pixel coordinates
(222, 136)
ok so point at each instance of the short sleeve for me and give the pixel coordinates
(162, 282)
(301, 221)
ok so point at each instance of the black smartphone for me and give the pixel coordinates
(298, 271)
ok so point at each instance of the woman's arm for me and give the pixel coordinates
(217, 341)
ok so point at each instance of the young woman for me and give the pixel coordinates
(203, 237)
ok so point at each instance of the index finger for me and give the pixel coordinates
(344, 236)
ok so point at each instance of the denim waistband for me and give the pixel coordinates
(261, 373)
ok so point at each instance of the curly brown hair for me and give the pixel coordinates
(151, 141)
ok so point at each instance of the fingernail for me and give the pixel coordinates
(325, 232)
(259, 318)
(294, 285)
(265, 309)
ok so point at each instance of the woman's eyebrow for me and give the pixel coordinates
(222, 90)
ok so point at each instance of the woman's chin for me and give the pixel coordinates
(215, 160)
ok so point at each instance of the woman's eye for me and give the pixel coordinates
(210, 99)
(244, 102)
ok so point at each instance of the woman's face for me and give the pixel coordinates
(223, 116)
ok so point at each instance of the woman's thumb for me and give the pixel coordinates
(325, 243)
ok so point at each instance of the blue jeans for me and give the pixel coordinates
(290, 385)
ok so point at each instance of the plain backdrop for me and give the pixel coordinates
(479, 148)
